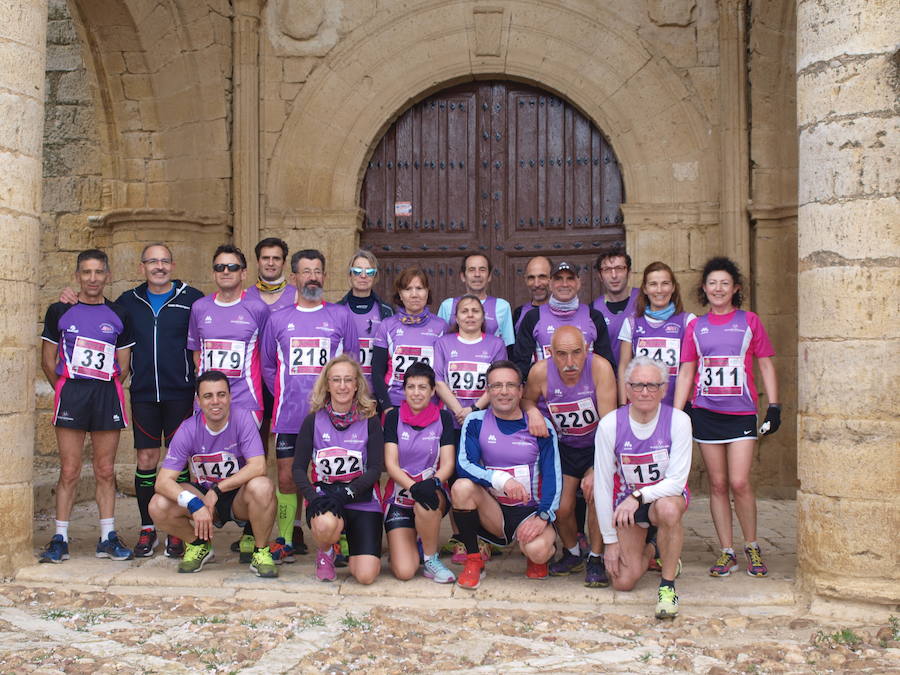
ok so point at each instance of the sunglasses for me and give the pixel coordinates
(231, 267)
(359, 271)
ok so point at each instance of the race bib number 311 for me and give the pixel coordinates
(722, 376)
(93, 359)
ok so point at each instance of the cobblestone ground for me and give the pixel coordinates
(52, 631)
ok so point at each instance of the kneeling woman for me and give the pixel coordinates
(342, 439)
(419, 456)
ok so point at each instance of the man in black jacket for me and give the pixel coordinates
(162, 376)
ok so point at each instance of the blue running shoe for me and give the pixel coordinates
(113, 548)
(57, 550)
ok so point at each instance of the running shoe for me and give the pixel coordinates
(595, 573)
(281, 552)
(341, 552)
(325, 565)
(146, 543)
(195, 557)
(450, 547)
(535, 570)
(473, 572)
(459, 552)
(725, 565)
(113, 548)
(755, 565)
(655, 564)
(174, 547)
(437, 571)
(667, 603)
(567, 564)
(57, 550)
(262, 563)
(300, 547)
(246, 546)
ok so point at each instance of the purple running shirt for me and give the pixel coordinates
(614, 321)
(340, 456)
(548, 323)
(87, 337)
(405, 345)
(573, 410)
(661, 341)
(287, 298)
(516, 454)
(463, 365)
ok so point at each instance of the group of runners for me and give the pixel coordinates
(556, 420)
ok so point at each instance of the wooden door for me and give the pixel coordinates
(494, 167)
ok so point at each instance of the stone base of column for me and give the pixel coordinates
(16, 509)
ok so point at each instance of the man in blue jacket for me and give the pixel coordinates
(162, 376)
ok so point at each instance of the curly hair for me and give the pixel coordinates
(721, 264)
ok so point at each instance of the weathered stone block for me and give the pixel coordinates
(830, 29)
(137, 87)
(845, 228)
(839, 534)
(298, 68)
(64, 57)
(18, 127)
(847, 377)
(74, 88)
(835, 296)
(839, 454)
(16, 517)
(17, 448)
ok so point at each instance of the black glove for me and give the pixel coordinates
(425, 493)
(323, 504)
(342, 493)
(772, 421)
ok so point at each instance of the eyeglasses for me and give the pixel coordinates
(652, 387)
(342, 380)
(616, 268)
(231, 267)
(499, 386)
(359, 271)
(157, 261)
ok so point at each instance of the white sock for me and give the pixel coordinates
(752, 544)
(62, 527)
(152, 528)
(728, 550)
(575, 550)
(107, 525)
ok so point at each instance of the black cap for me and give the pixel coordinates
(564, 266)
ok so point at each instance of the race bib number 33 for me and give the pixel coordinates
(93, 359)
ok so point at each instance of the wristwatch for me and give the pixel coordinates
(217, 490)
(544, 515)
(474, 406)
(637, 494)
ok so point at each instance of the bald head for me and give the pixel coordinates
(568, 350)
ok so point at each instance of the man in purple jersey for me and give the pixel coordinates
(573, 389)
(222, 447)
(641, 465)
(537, 281)
(475, 273)
(296, 344)
(224, 331)
(272, 285)
(617, 301)
(564, 308)
(85, 356)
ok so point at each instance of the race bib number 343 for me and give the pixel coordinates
(93, 359)
(665, 350)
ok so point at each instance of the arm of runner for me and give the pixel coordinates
(537, 424)
(123, 358)
(679, 466)
(468, 459)
(68, 296)
(684, 383)
(605, 385)
(303, 449)
(449, 400)
(48, 361)
(625, 354)
(504, 322)
(604, 468)
(362, 486)
(379, 371)
(551, 473)
(523, 349)
(601, 344)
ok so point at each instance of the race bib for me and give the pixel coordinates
(665, 350)
(226, 356)
(338, 465)
(467, 379)
(309, 355)
(365, 355)
(402, 497)
(644, 469)
(214, 467)
(722, 376)
(93, 358)
(522, 474)
(405, 355)
(545, 352)
(575, 418)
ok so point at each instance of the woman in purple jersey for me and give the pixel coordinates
(407, 337)
(461, 360)
(341, 441)
(657, 327)
(717, 363)
(420, 457)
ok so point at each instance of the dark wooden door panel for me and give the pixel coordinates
(496, 167)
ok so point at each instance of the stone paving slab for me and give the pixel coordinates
(504, 582)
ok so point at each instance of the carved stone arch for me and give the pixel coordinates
(588, 54)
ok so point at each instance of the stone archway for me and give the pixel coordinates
(657, 126)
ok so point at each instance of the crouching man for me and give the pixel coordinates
(641, 464)
(223, 449)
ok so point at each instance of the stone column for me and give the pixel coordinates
(849, 273)
(735, 176)
(245, 127)
(23, 28)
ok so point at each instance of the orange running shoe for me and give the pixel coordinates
(472, 572)
(536, 570)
